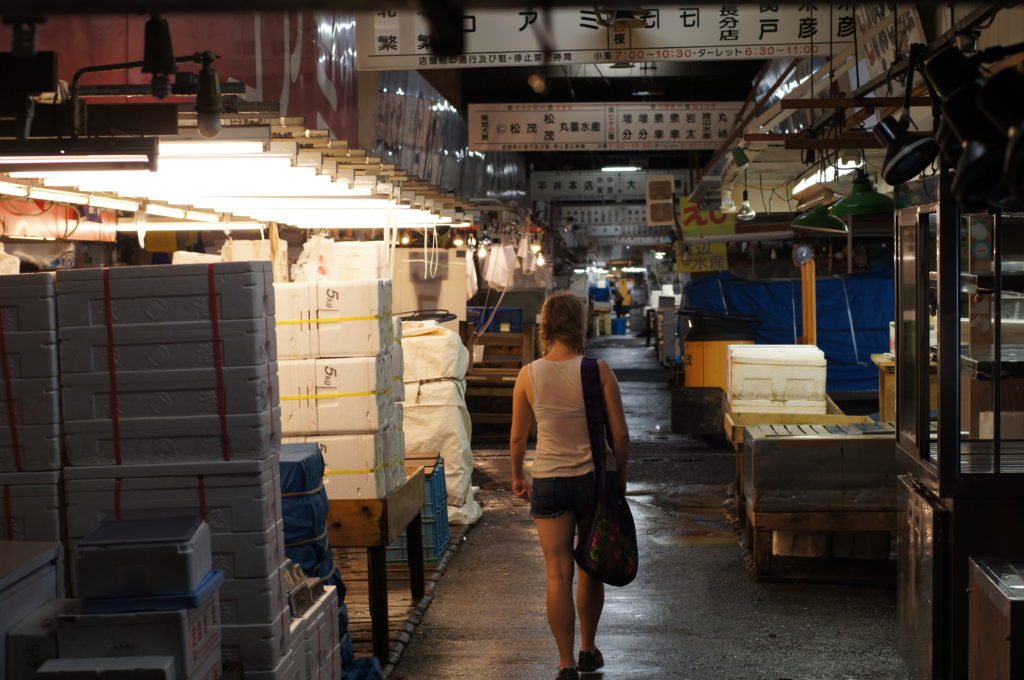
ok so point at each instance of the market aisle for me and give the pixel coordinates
(693, 613)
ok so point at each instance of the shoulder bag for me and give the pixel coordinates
(607, 543)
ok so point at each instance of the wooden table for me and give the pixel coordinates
(374, 523)
(887, 387)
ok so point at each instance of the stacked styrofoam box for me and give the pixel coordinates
(315, 639)
(776, 379)
(198, 419)
(29, 409)
(241, 501)
(180, 394)
(31, 574)
(355, 261)
(337, 374)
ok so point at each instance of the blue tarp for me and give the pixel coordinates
(854, 312)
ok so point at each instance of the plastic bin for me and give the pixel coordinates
(600, 294)
(506, 319)
(619, 326)
(434, 516)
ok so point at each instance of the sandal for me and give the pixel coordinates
(590, 661)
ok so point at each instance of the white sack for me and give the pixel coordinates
(500, 267)
(432, 351)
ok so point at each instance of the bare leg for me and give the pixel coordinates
(589, 603)
(556, 536)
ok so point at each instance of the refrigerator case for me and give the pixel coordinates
(921, 578)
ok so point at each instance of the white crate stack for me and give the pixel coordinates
(30, 457)
(170, 406)
(776, 379)
(338, 370)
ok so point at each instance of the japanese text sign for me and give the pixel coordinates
(600, 126)
(594, 185)
(402, 39)
(704, 256)
(696, 222)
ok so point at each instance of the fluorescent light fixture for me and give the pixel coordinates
(579, 271)
(634, 270)
(201, 216)
(210, 148)
(113, 203)
(13, 189)
(132, 225)
(41, 194)
(69, 154)
(620, 168)
(164, 211)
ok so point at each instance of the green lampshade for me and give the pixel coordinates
(863, 199)
(739, 156)
(818, 219)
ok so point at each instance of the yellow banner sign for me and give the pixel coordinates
(697, 222)
(701, 257)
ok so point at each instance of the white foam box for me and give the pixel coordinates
(188, 257)
(39, 448)
(36, 401)
(348, 484)
(27, 303)
(323, 627)
(236, 496)
(32, 354)
(250, 554)
(776, 379)
(177, 346)
(184, 392)
(287, 669)
(361, 259)
(210, 668)
(256, 647)
(140, 557)
(188, 635)
(335, 396)
(158, 294)
(31, 574)
(109, 668)
(338, 318)
(253, 600)
(332, 669)
(354, 464)
(306, 657)
(30, 506)
(33, 641)
(154, 441)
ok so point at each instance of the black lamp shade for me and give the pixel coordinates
(1013, 167)
(977, 175)
(949, 69)
(158, 53)
(1001, 99)
(907, 154)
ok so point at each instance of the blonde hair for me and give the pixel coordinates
(564, 317)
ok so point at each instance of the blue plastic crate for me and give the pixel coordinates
(600, 294)
(434, 516)
(506, 319)
(619, 326)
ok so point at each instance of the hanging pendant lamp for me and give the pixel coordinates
(863, 199)
(818, 219)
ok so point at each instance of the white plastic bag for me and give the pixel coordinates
(472, 285)
(500, 267)
(317, 260)
(9, 264)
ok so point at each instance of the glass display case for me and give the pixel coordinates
(960, 311)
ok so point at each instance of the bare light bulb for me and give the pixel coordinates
(481, 252)
(405, 240)
(540, 260)
(458, 242)
(535, 247)
(746, 212)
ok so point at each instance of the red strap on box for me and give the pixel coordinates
(108, 315)
(9, 512)
(218, 359)
(12, 417)
(117, 500)
(201, 488)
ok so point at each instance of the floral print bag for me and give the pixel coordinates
(606, 548)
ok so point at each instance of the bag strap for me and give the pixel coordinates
(593, 402)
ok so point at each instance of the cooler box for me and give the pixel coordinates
(776, 379)
(505, 319)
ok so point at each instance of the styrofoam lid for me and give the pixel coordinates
(44, 279)
(103, 664)
(163, 271)
(26, 478)
(227, 467)
(800, 355)
(158, 530)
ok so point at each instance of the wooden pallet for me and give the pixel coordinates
(735, 424)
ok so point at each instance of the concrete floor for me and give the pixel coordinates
(692, 613)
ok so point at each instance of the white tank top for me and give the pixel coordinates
(563, 443)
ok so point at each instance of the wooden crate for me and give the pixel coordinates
(490, 381)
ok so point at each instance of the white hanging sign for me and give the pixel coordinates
(601, 126)
(402, 39)
(594, 185)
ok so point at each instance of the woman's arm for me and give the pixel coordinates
(616, 421)
(522, 416)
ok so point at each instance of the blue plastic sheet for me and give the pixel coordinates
(854, 312)
(304, 504)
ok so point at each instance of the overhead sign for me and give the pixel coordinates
(601, 126)
(402, 39)
(594, 185)
(696, 222)
(591, 216)
(701, 257)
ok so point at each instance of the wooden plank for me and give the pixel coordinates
(478, 391)
(483, 418)
(850, 102)
(367, 522)
(404, 504)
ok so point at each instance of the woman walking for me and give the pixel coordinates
(551, 390)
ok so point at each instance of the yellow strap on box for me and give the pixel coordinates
(375, 470)
(336, 319)
(335, 395)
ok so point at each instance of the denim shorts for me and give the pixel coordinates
(554, 496)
